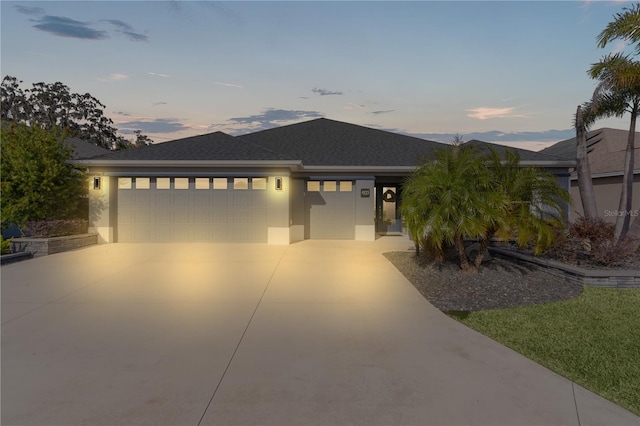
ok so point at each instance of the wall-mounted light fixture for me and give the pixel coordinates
(97, 181)
(278, 184)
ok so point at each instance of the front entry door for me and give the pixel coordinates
(387, 212)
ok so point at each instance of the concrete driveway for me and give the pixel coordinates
(319, 332)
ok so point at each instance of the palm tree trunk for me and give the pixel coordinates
(464, 262)
(484, 244)
(585, 185)
(626, 195)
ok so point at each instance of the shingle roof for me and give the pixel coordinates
(606, 150)
(83, 149)
(321, 143)
(525, 155)
(325, 142)
(212, 146)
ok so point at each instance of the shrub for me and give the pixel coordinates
(57, 228)
(5, 245)
(591, 242)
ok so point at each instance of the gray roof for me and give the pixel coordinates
(319, 144)
(606, 149)
(324, 142)
(83, 149)
(212, 146)
(525, 154)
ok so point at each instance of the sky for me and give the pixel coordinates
(511, 72)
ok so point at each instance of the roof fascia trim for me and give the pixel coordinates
(292, 164)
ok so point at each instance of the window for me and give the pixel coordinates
(346, 186)
(313, 186)
(181, 183)
(163, 183)
(241, 183)
(219, 183)
(142, 183)
(202, 183)
(259, 183)
(329, 186)
(124, 183)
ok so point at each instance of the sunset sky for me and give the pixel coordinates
(425, 68)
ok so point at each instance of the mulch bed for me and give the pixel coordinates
(501, 283)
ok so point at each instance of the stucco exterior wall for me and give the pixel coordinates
(607, 190)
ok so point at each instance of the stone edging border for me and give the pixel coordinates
(612, 278)
(45, 246)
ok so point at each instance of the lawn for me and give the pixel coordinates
(593, 340)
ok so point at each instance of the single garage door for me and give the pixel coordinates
(331, 210)
(220, 209)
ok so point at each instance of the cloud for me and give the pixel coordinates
(159, 103)
(227, 84)
(351, 106)
(325, 92)
(67, 27)
(26, 10)
(115, 77)
(270, 118)
(126, 29)
(158, 74)
(485, 113)
(386, 111)
(158, 125)
(117, 23)
(135, 36)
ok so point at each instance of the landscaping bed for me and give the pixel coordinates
(500, 283)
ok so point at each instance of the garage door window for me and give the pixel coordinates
(258, 183)
(181, 183)
(346, 186)
(313, 186)
(142, 183)
(202, 183)
(163, 183)
(219, 183)
(241, 183)
(329, 186)
(124, 183)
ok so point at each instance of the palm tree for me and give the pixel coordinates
(463, 194)
(583, 169)
(446, 200)
(625, 26)
(618, 92)
(620, 81)
(530, 203)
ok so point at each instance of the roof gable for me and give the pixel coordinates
(606, 149)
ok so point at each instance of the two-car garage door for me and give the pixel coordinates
(213, 209)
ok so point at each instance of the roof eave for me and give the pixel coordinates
(292, 164)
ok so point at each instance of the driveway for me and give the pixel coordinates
(319, 332)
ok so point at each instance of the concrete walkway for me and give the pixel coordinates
(319, 332)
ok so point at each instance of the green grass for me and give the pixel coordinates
(593, 340)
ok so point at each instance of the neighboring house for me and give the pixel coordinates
(83, 149)
(320, 179)
(606, 150)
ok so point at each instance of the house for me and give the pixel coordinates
(83, 149)
(606, 151)
(320, 179)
